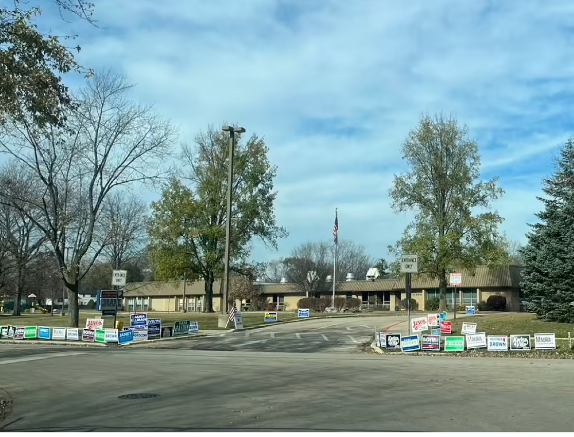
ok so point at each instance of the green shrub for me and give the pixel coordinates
(414, 304)
(483, 306)
(432, 304)
(354, 303)
(496, 303)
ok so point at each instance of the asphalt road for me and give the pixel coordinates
(342, 335)
(77, 390)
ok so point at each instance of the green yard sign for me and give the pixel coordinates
(100, 336)
(454, 344)
(30, 332)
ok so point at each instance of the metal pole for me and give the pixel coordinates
(184, 284)
(224, 304)
(334, 274)
(408, 293)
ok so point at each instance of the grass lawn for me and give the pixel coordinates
(514, 323)
(206, 321)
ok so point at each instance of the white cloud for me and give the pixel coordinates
(298, 72)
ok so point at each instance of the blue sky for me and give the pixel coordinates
(335, 86)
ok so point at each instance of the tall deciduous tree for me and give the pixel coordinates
(352, 258)
(548, 275)
(124, 221)
(443, 189)
(187, 228)
(65, 175)
(31, 64)
(308, 267)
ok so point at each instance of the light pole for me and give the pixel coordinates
(232, 131)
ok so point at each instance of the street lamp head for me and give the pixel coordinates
(237, 130)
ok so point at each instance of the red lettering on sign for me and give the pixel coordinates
(445, 327)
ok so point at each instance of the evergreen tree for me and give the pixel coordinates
(548, 276)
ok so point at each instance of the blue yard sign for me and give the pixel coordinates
(470, 310)
(126, 336)
(435, 331)
(303, 313)
(138, 319)
(154, 328)
(44, 332)
(410, 343)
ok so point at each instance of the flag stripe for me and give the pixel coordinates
(232, 312)
(336, 229)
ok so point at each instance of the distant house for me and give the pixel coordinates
(476, 286)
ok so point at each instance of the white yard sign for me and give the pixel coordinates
(497, 343)
(468, 328)
(544, 341)
(419, 324)
(409, 264)
(433, 319)
(476, 341)
(58, 333)
(455, 279)
(119, 277)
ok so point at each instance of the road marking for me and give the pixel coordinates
(222, 335)
(298, 335)
(354, 328)
(327, 326)
(325, 337)
(41, 357)
(272, 334)
(247, 334)
(250, 342)
(352, 339)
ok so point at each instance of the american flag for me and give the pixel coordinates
(336, 229)
(232, 312)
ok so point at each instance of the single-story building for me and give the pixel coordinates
(476, 287)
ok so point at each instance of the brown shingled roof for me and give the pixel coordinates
(482, 277)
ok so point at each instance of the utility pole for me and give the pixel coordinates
(232, 131)
(184, 285)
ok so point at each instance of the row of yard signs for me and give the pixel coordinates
(436, 323)
(141, 329)
(478, 340)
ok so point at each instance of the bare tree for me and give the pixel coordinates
(275, 271)
(108, 142)
(43, 278)
(124, 220)
(23, 240)
(244, 287)
(308, 267)
(352, 258)
(514, 252)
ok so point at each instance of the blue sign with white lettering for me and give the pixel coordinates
(470, 310)
(44, 332)
(303, 313)
(410, 343)
(154, 328)
(138, 319)
(126, 336)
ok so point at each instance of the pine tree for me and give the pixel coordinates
(548, 276)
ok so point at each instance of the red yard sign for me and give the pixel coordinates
(445, 327)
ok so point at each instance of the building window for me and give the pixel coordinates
(131, 301)
(469, 296)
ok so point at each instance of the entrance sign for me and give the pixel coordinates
(409, 264)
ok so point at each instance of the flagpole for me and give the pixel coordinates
(335, 258)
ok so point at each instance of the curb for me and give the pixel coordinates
(55, 343)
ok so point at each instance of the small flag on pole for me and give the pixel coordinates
(232, 312)
(336, 229)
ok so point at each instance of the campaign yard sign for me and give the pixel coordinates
(125, 337)
(381, 340)
(88, 335)
(446, 327)
(19, 332)
(58, 333)
(138, 319)
(410, 343)
(271, 316)
(141, 333)
(30, 332)
(238, 320)
(435, 331)
(93, 324)
(419, 324)
(166, 331)
(476, 340)
(454, 344)
(470, 310)
(181, 327)
(520, 342)
(497, 343)
(193, 328)
(430, 342)
(544, 341)
(153, 328)
(110, 335)
(44, 332)
(468, 328)
(433, 320)
(393, 341)
(303, 313)
(100, 336)
(73, 334)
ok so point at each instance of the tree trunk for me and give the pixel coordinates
(209, 294)
(73, 306)
(442, 290)
(18, 300)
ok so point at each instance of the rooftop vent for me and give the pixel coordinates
(372, 274)
(350, 277)
(329, 278)
(283, 280)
